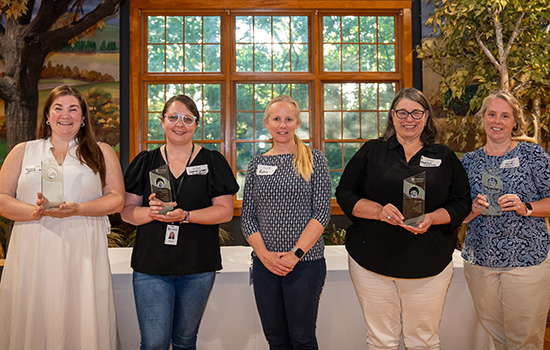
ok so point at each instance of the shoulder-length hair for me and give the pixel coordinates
(87, 151)
(430, 132)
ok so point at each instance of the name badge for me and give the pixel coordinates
(266, 169)
(429, 162)
(171, 236)
(197, 170)
(33, 169)
(510, 163)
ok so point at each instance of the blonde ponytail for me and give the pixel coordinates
(303, 157)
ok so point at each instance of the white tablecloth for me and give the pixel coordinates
(231, 321)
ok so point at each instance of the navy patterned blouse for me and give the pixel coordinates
(279, 203)
(510, 240)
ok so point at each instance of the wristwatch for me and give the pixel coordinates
(529, 208)
(298, 252)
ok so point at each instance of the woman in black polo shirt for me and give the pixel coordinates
(401, 272)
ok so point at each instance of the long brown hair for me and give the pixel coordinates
(303, 158)
(87, 151)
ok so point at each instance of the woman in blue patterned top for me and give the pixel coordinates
(506, 247)
(286, 206)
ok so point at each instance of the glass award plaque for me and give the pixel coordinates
(51, 184)
(160, 186)
(492, 189)
(414, 197)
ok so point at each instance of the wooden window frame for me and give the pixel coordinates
(228, 77)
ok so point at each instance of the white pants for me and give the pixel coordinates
(392, 306)
(512, 303)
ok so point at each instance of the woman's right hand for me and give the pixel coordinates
(479, 204)
(390, 214)
(273, 262)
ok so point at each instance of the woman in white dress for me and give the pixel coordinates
(56, 290)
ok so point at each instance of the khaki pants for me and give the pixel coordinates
(511, 303)
(392, 306)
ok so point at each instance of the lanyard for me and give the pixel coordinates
(172, 178)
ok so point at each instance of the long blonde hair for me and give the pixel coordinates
(303, 158)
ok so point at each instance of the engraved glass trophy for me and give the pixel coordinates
(414, 197)
(160, 185)
(492, 189)
(52, 183)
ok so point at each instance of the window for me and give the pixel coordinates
(343, 66)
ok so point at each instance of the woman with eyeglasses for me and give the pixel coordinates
(177, 248)
(401, 263)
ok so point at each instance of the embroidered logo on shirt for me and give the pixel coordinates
(197, 170)
(429, 162)
(266, 169)
(510, 163)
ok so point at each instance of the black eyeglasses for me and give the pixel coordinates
(403, 113)
(186, 119)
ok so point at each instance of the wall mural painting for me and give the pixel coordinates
(92, 66)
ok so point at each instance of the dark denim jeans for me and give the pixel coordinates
(170, 308)
(288, 305)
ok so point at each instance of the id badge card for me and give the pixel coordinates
(171, 235)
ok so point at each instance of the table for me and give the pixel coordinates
(231, 321)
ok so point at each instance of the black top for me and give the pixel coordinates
(376, 172)
(198, 247)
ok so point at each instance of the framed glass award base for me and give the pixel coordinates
(414, 198)
(51, 183)
(160, 186)
(492, 189)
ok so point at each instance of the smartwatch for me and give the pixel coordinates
(529, 208)
(298, 252)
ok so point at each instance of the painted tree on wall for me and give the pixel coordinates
(27, 36)
(481, 45)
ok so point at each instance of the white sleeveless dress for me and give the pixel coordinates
(56, 290)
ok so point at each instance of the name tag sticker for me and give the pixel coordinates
(33, 169)
(266, 169)
(426, 162)
(510, 163)
(197, 170)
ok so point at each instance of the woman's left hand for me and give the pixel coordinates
(290, 258)
(422, 227)
(65, 210)
(511, 202)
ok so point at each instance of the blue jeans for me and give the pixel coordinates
(170, 308)
(288, 305)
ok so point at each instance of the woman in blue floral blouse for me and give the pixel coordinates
(507, 242)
